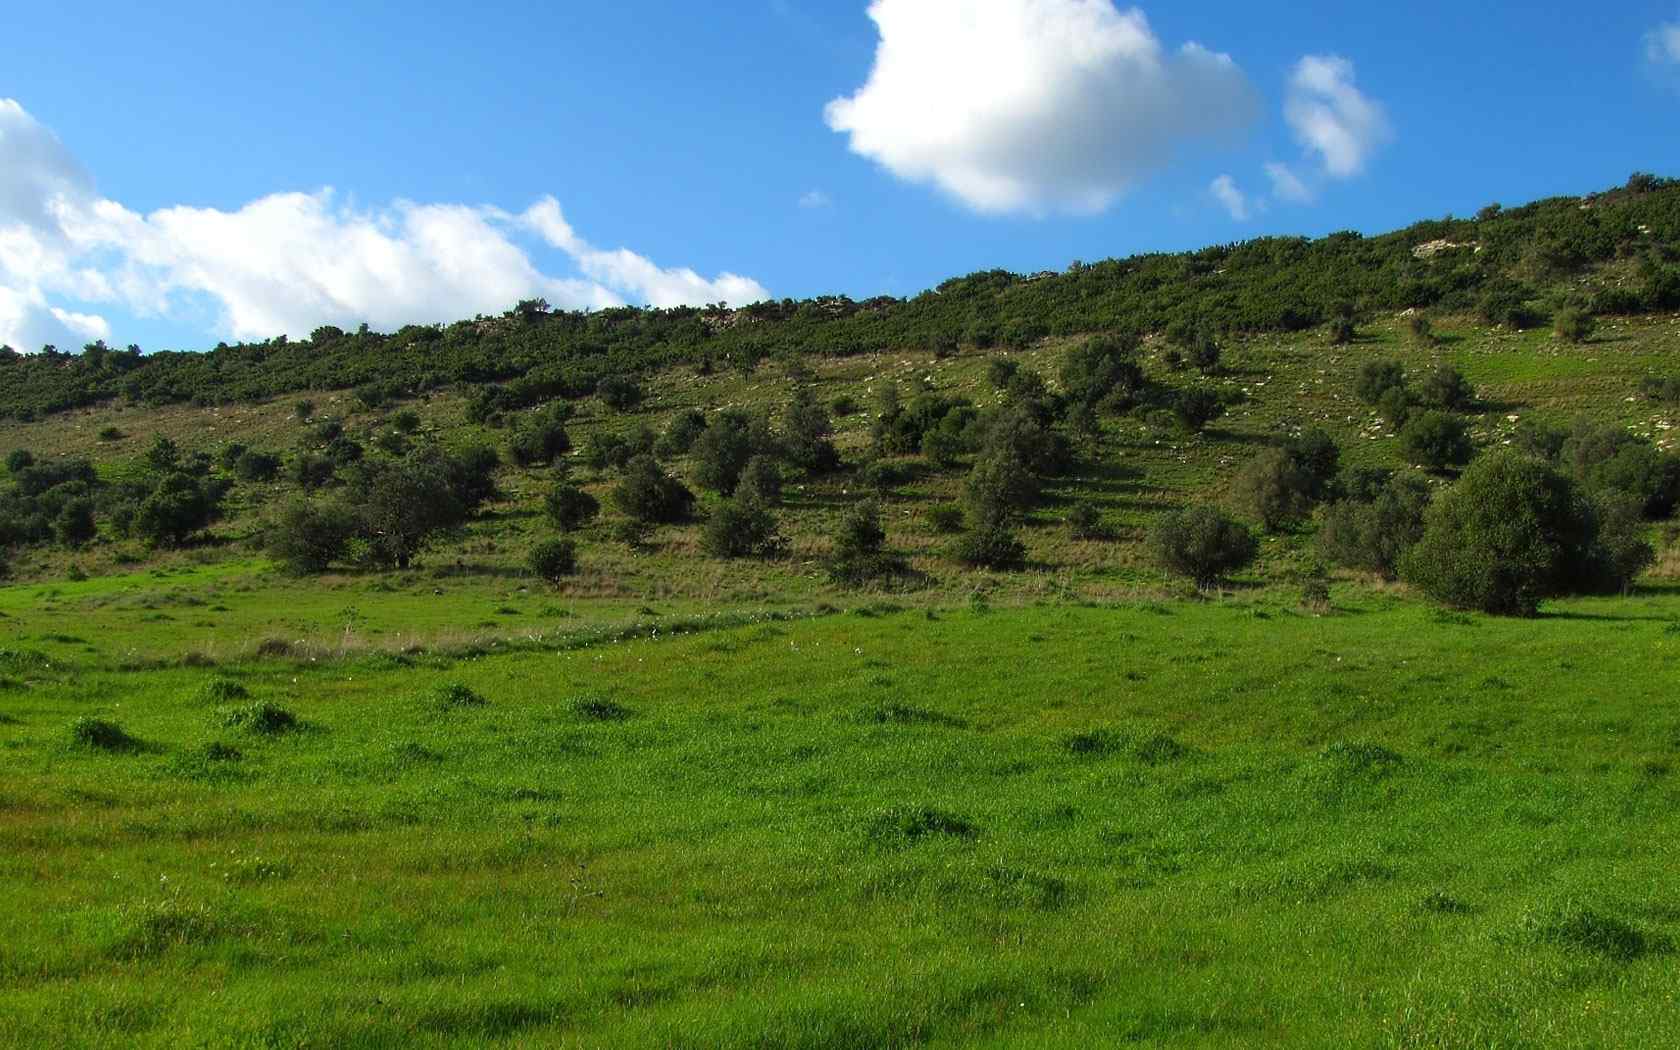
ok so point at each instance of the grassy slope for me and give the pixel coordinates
(1290, 383)
(1385, 827)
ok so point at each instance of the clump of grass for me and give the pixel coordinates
(100, 735)
(1439, 903)
(221, 691)
(214, 762)
(911, 824)
(454, 695)
(1359, 759)
(900, 714)
(275, 647)
(599, 709)
(1153, 749)
(262, 718)
(1574, 927)
(154, 927)
(1017, 887)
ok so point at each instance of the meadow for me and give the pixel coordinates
(1218, 823)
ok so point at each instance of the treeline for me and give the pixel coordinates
(1613, 253)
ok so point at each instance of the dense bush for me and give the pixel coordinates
(570, 508)
(945, 518)
(620, 393)
(681, 433)
(1446, 388)
(1608, 458)
(743, 526)
(1202, 544)
(859, 548)
(762, 479)
(1511, 533)
(539, 438)
(990, 545)
(1103, 370)
(1372, 529)
(1377, 378)
(1085, 522)
(1573, 325)
(1437, 440)
(647, 494)
(554, 560)
(75, 525)
(806, 435)
(1195, 409)
(404, 505)
(1274, 490)
(722, 451)
(307, 537)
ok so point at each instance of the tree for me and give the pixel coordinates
(1574, 325)
(307, 537)
(164, 455)
(990, 546)
(1102, 369)
(1000, 489)
(538, 439)
(721, 453)
(1202, 544)
(1205, 353)
(620, 393)
(570, 508)
(74, 525)
(1511, 533)
(176, 509)
(807, 428)
(1437, 440)
(647, 494)
(19, 460)
(1273, 490)
(1624, 550)
(1376, 378)
(762, 479)
(403, 506)
(859, 548)
(1195, 409)
(1319, 458)
(679, 437)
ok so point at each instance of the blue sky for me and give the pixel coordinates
(164, 172)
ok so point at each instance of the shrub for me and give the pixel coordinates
(858, 547)
(1205, 353)
(100, 735)
(881, 477)
(19, 460)
(1195, 409)
(1274, 490)
(1343, 331)
(1000, 372)
(570, 508)
(257, 466)
(1624, 551)
(1610, 458)
(607, 450)
(177, 508)
(1574, 325)
(303, 410)
(999, 490)
(681, 433)
(1316, 454)
(406, 422)
(306, 538)
(721, 454)
(631, 532)
(1373, 534)
(402, 506)
(741, 527)
(538, 440)
(1437, 440)
(262, 718)
(1102, 369)
(807, 428)
(619, 393)
(1084, 522)
(1446, 388)
(1509, 534)
(843, 405)
(1377, 378)
(761, 480)
(1395, 406)
(1202, 544)
(648, 494)
(1665, 389)
(111, 434)
(554, 560)
(74, 524)
(221, 691)
(992, 546)
(311, 470)
(1422, 331)
(945, 518)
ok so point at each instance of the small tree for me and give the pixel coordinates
(1193, 410)
(808, 428)
(620, 393)
(741, 527)
(554, 560)
(762, 479)
(403, 506)
(1376, 378)
(1437, 440)
(1102, 369)
(1202, 544)
(1085, 522)
(1511, 533)
(859, 541)
(1373, 534)
(648, 494)
(721, 453)
(681, 434)
(1274, 490)
(570, 508)
(1446, 388)
(19, 460)
(1205, 353)
(1574, 325)
(991, 546)
(74, 525)
(306, 538)
(538, 440)
(1000, 489)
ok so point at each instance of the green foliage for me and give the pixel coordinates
(554, 560)
(1194, 409)
(1445, 388)
(620, 393)
(1372, 530)
(647, 494)
(570, 508)
(761, 480)
(1085, 522)
(75, 525)
(945, 518)
(742, 527)
(260, 718)
(1377, 378)
(539, 438)
(97, 734)
(1274, 490)
(403, 506)
(1202, 544)
(18, 460)
(1511, 533)
(1609, 458)
(304, 410)
(859, 541)
(1103, 370)
(177, 509)
(991, 544)
(807, 429)
(1574, 325)
(722, 451)
(1623, 547)
(681, 433)
(452, 696)
(1437, 440)
(1000, 489)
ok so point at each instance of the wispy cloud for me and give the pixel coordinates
(1332, 118)
(816, 199)
(1225, 191)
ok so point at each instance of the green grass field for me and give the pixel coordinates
(1221, 823)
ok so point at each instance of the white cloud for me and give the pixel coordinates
(287, 262)
(1225, 191)
(1033, 105)
(1287, 186)
(816, 199)
(1662, 45)
(1332, 118)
